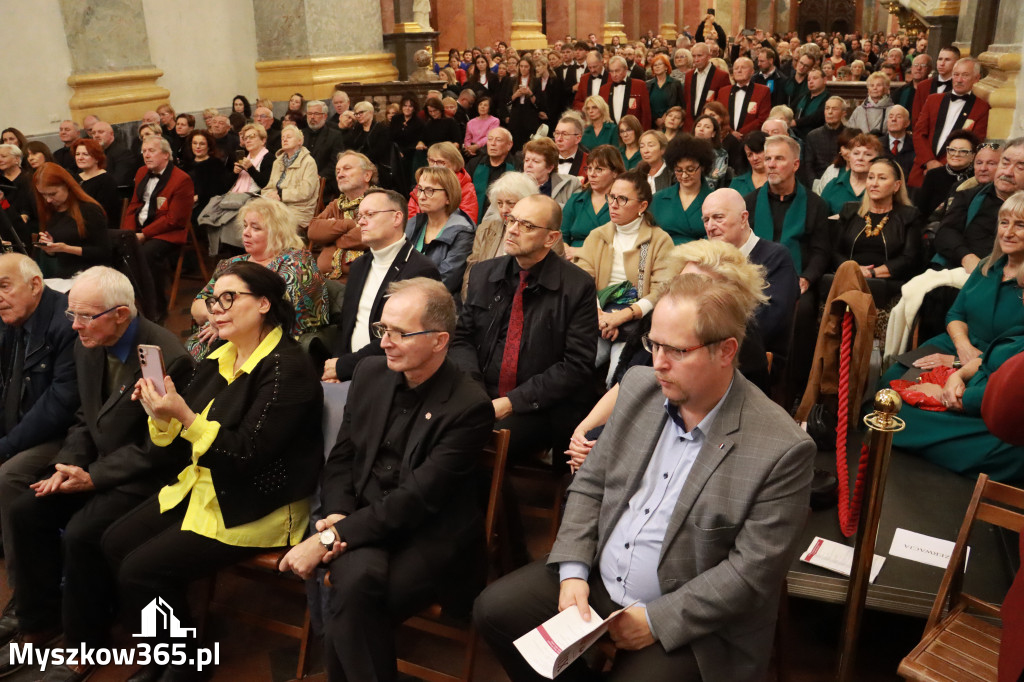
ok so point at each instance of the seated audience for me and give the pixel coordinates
(371, 138)
(968, 230)
(37, 154)
(437, 127)
(41, 391)
(72, 225)
(714, 618)
(882, 233)
(68, 133)
(15, 137)
(871, 116)
(102, 471)
(19, 204)
(753, 147)
(898, 141)
(486, 168)
(652, 151)
(335, 232)
(121, 163)
(340, 102)
(849, 186)
(406, 132)
(227, 139)
(264, 117)
(293, 177)
(611, 254)
(748, 103)
(629, 141)
(390, 258)
(672, 122)
(478, 126)
(96, 181)
(732, 144)
(446, 155)
(676, 209)
(441, 232)
(323, 141)
(251, 175)
(160, 210)
(600, 128)
(957, 438)
(940, 182)
(540, 161)
(251, 455)
(822, 144)
(809, 107)
(706, 128)
(588, 209)
(410, 536)
(726, 220)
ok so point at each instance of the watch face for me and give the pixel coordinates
(327, 537)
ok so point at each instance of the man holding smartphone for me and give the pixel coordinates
(102, 470)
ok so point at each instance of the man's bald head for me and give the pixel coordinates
(549, 207)
(774, 126)
(725, 217)
(151, 117)
(103, 133)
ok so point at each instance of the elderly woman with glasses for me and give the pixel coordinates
(627, 257)
(246, 434)
(940, 182)
(441, 232)
(270, 239)
(294, 180)
(251, 172)
(677, 209)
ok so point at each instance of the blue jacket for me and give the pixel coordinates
(449, 249)
(49, 386)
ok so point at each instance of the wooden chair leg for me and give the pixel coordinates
(201, 260)
(307, 637)
(176, 281)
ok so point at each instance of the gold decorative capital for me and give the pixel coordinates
(116, 96)
(612, 29)
(279, 79)
(408, 27)
(528, 35)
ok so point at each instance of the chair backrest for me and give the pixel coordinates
(320, 196)
(994, 503)
(494, 458)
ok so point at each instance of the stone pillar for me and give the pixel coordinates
(559, 19)
(308, 46)
(613, 25)
(526, 26)
(1002, 59)
(412, 33)
(113, 79)
(667, 19)
(456, 24)
(589, 16)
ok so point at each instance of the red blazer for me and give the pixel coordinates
(583, 91)
(174, 196)
(922, 91)
(930, 123)
(638, 103)
(758, 106)
(716, 80)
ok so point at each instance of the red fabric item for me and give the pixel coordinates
(849, 509)
(510, 358)
(911, 396)
(895, 147)
(1001, 405)
(1011, 648)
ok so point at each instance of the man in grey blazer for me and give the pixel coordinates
(690, 505)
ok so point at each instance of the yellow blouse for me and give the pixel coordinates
(281, 527)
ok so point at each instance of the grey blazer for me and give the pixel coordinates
(734, 530)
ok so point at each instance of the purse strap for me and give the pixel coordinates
(644, 248)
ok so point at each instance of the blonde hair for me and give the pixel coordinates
(1014, 207)
(722, 260)
(601, 105)
(260, 131)
(447, 180)
(450, 153)
(900, 197)
(278, 220)
(879, 76)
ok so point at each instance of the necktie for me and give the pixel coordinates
(957, 98)
(569, 160)
(895, 147)
(513, 338)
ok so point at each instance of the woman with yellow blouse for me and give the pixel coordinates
(247, 431)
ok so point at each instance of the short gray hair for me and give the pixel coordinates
(512, 184)
(316, 103)
(27, 267)
(114, 288)
(618, 59)
(572, 116)
(972, 61)
(793, 145)
(12, 149)
(165, 146)
(438, 308)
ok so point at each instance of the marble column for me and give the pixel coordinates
(589, 18)
(613, 21)
(112, 79)
(560, 19)
(526, 26)
(667, 19)
(1002, 59)
(308, 46)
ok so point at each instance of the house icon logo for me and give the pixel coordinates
(158, 616)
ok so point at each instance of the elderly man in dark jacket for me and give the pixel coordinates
(37, 371)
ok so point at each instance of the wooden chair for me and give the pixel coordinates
(190, 242)
(554, 484)
(959, 645)
(433, 620)
(320, 197)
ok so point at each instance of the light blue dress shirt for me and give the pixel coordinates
(629, 560)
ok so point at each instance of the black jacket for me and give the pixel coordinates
(122, 164)
(408, 263)
(956, 237)
(49, 388)
(775, 318)
(269, 449)
(434, 510)
(905, 158)
(324, 145)
(559, 342)
(901, 236)
(109, 438)
(820, 149)
(815, 245)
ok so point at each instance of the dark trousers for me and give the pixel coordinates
(157, 252)
(89, 594)
(152, 557)
(372, 591)
(519, 602)
(805, 336)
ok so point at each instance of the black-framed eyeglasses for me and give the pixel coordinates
(524, 225)
(225, 300)
(360, 215)
(379, 330)
(617, 200)
(428, 192)
(692, 170)
(673, 353)
(85, 318)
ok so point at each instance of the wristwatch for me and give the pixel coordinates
(328, 537)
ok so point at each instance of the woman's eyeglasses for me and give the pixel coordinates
(428, 192)
(225, 300)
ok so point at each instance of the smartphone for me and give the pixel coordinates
(151, 359)
(240, 154)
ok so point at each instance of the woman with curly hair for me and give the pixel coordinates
(677, 209)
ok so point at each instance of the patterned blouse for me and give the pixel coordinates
(304, 287)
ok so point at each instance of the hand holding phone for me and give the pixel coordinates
(151, 360)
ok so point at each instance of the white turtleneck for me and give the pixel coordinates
(382, 260)
(625, 240)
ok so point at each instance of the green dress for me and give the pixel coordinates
(631, 161)
(838, 192)
(744, 184)
(682, 226)
(609, 135)
(579, 219)
(986, 304)
(959, 441)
